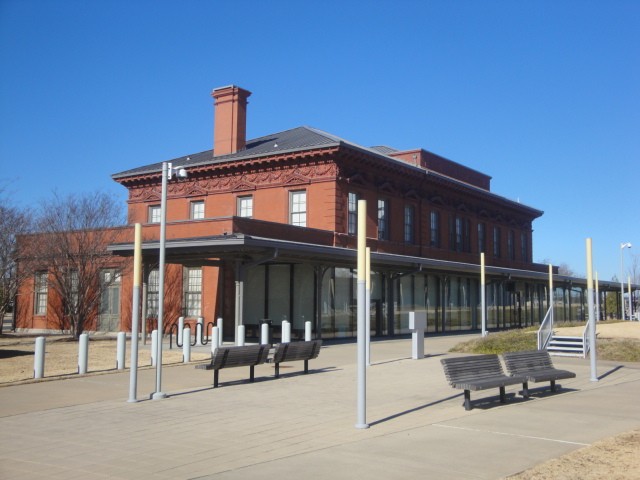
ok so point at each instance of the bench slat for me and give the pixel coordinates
(237, 356)
(536, 366)
(296, 351)
(479, 372)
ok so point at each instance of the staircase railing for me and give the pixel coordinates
(546, 330)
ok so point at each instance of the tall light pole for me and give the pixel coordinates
(622, 247)
(167, 172)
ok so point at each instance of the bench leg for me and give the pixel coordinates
(525, 389)
(553, 385)
(215, 378)
(467, 400)
(306, 366)
(251, 373)
(277, 370)
(503, 397)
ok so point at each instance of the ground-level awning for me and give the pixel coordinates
(211, 250)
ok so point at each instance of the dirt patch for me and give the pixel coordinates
(605, 330)
(61, 358)
(612, 458)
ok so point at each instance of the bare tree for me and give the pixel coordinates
(565, 269)
(73, 233)
(13, 223)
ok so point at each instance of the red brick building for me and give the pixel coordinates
(265, 228)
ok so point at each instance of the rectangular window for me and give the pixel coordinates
(154, 214)
(435, 230)
(73, 285)
(458, 234)
(197, 210)
(298, 208)
(245, 206)
(511, 248)
(192, 292)
(110, 280)
(383, 219)
(41, 290)
(496, 241)
(466, 235)
(153, 293)
(409, 228)
(482, 238)
(524, 247)
(352, 213)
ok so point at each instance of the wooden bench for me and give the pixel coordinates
(289, 352)
(536, 366)
(478, 372)
(227, 357)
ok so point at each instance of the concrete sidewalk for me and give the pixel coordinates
(304, 425)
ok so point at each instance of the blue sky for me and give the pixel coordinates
(542, 95)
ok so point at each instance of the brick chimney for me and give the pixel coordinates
(230, 119)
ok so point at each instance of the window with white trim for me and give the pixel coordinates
(153, 293)
(197, 210)
(352, 213)
(192, 292)
(154, 214)
(298, 208)
(245, 206)
(41, 291)
(383, 219)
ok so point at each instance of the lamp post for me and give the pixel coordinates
(167, 172)
(622, 247)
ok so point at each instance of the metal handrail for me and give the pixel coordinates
(546, 330)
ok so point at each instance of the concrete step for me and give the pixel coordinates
(566, 354)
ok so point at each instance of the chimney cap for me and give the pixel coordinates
(229, 87)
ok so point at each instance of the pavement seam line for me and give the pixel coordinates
(512, 434)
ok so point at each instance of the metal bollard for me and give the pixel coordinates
(83, 353)
(307, 331)
(264, 334)
(215, 338)
(286, 332)
(180, 326)
(199, 331)
(186, 345)
(219, 324)
(240, 339)
(121, 348)
(38, 360)
(154, 347)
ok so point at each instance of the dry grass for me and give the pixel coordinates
(61, 357)
(617, 341)
(614, 458)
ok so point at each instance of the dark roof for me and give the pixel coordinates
(298, 140)
(384, 149)
(294, 140)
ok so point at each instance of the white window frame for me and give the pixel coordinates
(192, 290)
(298, 208)
(245, 206)
(352, 213)
(41, 290)
(383, 219)
(196, 210)
(153, 292)
(155, 211)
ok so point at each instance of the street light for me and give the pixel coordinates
(622, 247)
(167, 173)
